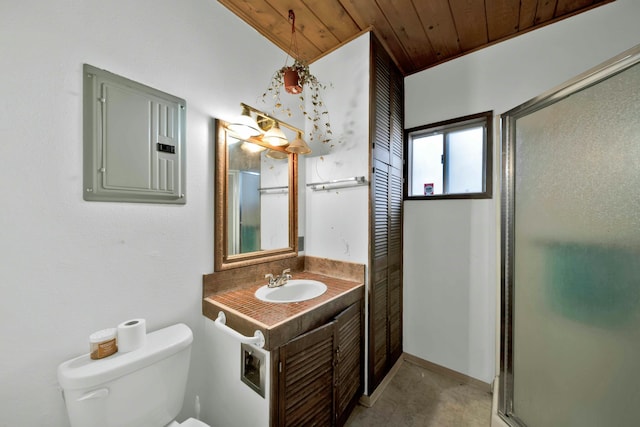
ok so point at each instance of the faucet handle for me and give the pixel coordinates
(269, 276)
(286, 273)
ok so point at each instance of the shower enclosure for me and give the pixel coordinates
(570, 332)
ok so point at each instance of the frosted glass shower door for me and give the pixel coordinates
(574, 251)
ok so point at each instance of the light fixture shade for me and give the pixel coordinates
(277, 155)
(245, 126)
(232, 139)
(275, 136)
(298, 146)
(251, 147)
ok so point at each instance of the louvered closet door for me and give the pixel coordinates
(394, 194)
(381, 102)
(396, 120)
(306, 383)
(378, 324)
(349, 363)
(387, 126)
(385, 302)
(394, 265)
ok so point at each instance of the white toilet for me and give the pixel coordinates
(142, 388)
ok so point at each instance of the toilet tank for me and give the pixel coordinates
(142, 388)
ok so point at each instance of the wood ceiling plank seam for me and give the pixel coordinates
(545, 11)
(538, 26)
(335, 18)
(502, 18)
(438, 24)
(388, 50)
(404, 19)
(352, 10)
(260, 15)
(353, 37)
(486, 21)
(375, 19)
(309, 28)
(528, 10)
(389, 30)
(595, 4)
(471, 23)
(565, 7)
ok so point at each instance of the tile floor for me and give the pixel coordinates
(417, 397)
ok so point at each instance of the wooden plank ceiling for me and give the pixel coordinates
(417, 33)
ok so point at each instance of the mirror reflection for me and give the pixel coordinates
(256, 201)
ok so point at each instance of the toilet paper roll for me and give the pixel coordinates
(132, 334)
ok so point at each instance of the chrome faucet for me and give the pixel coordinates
(274, 282)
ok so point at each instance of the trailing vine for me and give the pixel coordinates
(318, 115)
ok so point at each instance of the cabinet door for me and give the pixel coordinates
(349, 361)
(306, 384)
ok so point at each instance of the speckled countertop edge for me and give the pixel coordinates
(266, 315)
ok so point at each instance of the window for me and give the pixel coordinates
(450, 160)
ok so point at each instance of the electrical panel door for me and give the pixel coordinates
(134, 141)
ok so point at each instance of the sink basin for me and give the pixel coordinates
(295, 290)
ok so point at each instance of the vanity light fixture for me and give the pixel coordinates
(275, 136)
(298, 145)
(251, 124)
(245, 126)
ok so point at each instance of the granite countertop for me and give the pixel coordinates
(280, 322)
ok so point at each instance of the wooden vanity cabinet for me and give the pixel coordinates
(319, 375)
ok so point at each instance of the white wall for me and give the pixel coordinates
(70, 267)
(451, 248)
(337, 224)
(229, 402)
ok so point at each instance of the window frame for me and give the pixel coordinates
(484, 119)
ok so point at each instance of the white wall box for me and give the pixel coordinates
(134, 141)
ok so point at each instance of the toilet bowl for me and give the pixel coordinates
(141, 388)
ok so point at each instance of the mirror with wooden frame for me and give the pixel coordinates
(255, 201)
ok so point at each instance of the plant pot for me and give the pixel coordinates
(292, 81)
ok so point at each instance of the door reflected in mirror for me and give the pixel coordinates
(256, 200)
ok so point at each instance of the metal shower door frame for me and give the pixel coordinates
(509, 120)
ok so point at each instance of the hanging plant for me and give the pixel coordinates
(295, 79)
(293, 82)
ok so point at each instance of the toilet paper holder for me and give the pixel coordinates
(257, 339)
